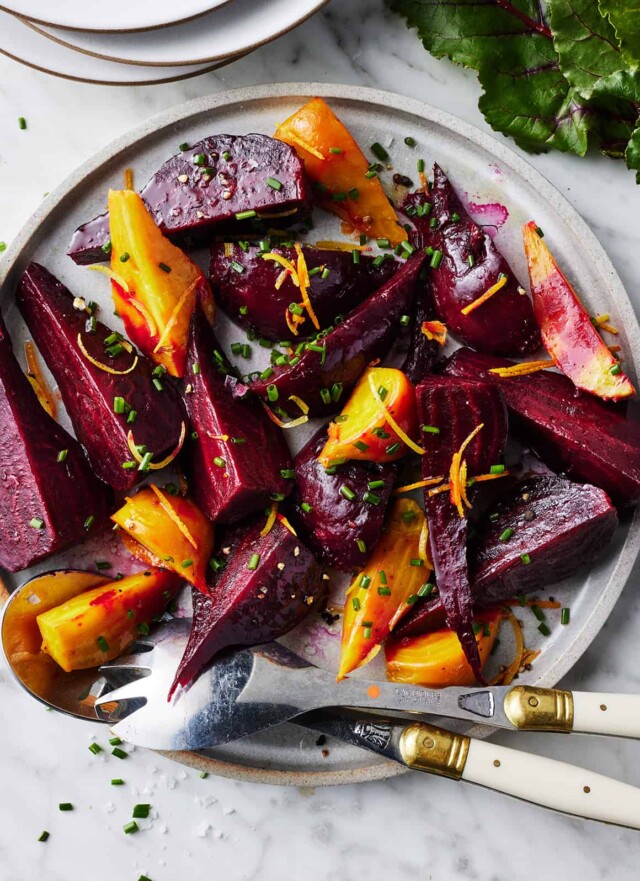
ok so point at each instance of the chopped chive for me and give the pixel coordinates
(119, 404)
(267, 373)
(355, 254)
(336, 391)
(430, 429)
(416, 561)
(95, 748)
(246, 215)
(124, 256)
(274, 183)
(367, 633)
(384, 592)
(538, 612)
(164, 267)
(119, 753)
(379, 152)
(409, 141)
(130, 465)
(117, 781)
(370, 174)
(426, 589)
(404, 320)
(106, 248)
(335, 150)
(115, 741)
(392, 448)
(130, 827)
(362, 545)
(355, 602)
(157, 384)
(183, 147)
(306, 507)
(219, 461)
(65, 806)
(325, 273)
(226, 156)
(245, 350)
(497, 469)
(436, 259)
(22, 123)
(381, 433)
(565, 615)
(43, 836)
(354, 193)
(360, 445)
(526, 559)
(539, 232)
(347, 493)
(382, 575)
(203, 776)
(455, 217)
(143, 629)
(146, 461)
(36, 523)
(544, 629)
(295, 309)
(471, 260)
(141, 811)
(365, 581)
(382, 392)
(507, 534)
(91, 519)
(408, 516)
(3, 247)
(253, 561)
(338, 197)
(186, 564)
(103, 645)
(237, 267)
(420, 165)
(371, 498)
(287, 473)
(325, 394)
(199, 159)
(615, 369)
(272, 392)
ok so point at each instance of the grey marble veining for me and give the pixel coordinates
(412, 828)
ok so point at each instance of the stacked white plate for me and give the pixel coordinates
(146, 41)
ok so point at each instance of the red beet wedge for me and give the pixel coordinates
(341, 532)
(592, 441)
(465, 265)
(269, 585)
(456, 408)
(104, 406)
(224, 182)
(244, 282)
(539, 532)
(342, 355)
(237, 457)
(49, 497)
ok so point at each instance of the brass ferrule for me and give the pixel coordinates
(427, 748)
(539, 709)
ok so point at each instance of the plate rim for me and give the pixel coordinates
(591, 626)
(34, 25)
(135, 30)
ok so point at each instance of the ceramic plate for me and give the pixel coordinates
(486, 173)
(116, 15)
(239, 27)
(25, 44)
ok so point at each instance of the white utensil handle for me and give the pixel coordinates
(616, 714)
(552, 784)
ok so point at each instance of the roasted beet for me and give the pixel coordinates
(269, 585)
(245, 285)
(366, 333)
(333, 525)
(49, 498)
(470, 264)
(457, 408)
(236, 455)
(559, 528)
(227, 175)
(590, 440)
(99, 403)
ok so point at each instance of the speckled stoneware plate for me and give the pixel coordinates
(501, 189)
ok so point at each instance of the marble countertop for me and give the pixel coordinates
(411, 827)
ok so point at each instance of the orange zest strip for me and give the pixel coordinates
(292, 322)
(424, 183)
(37, 380)
(523, 368)
(271, 519)
(420, 483)
(293, 424)
(228, 249)
(156, 466)
(602, 321)
(302, 404)
(506, 676)
(435, 330)
(463, 484)
(114, 276)
(222, 437)
(102, 366)
(167, 507)
(280, 280)
(286, 264)
(404, 437)
(423, 545)
(299, 141)
(128, 178)
(287, 525)
(329, 245)
(486, 296)
(481, 478)
(456, 477)
(303, 283)
(174, 315)
(152, 326)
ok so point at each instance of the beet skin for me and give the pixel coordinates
(192, 211)
(270, 583)
(592, 441)
(236, 456)
(334, 524)
(88, 392)
(49, 498)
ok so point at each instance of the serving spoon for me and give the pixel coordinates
(252, 689)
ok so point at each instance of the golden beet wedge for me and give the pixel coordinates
(393, 579)
(155, 285)
(338, 167)
(382, 402)
(173, 529)
(436, 659)
(98, 625)
(567, 331)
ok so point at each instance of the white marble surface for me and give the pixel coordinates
(406, 829)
